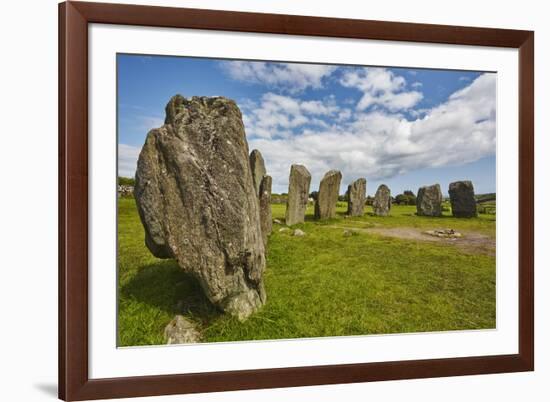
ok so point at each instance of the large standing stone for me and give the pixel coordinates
(357, 194)
(463, 202)
(266, 223)
(428, 201)
(325, 202)
(257, 165)
(298, 194)
(196, 200)
(381, 204)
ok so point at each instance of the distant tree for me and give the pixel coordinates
(342, 198)
(401, 199)
(407, 198)
(369, 200)
(126, 181)
(314, 194)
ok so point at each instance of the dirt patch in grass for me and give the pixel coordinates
(470, 242)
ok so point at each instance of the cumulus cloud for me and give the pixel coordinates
(291, 77)
(379, 144)
(380, 87)
(277, 115)
(127, 160)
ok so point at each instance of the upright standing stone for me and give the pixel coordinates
(381, 204)
(298, 194)
(196, 200)
(257, 166)
(357, 194)
(325, 202)
(463, 202)
(265, 208)
(428, 201)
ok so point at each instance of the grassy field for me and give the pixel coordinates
(321, 284)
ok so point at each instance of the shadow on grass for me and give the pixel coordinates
(165, 286)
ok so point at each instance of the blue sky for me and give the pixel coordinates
(404, 127)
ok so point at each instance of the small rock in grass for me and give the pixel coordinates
(299, 233)
(349, 233)
(444, 233)
(181, 330)
(283, 229)
(277, 221)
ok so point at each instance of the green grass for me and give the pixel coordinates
(322, 284)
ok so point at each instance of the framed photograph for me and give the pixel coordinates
(260, 200)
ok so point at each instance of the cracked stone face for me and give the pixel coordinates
(197, 202)
(381, 204)
(463, 202)
(266, 220)
(428, 201)
(298, 194)
(325, 203)
(257, 165)
(357, 195)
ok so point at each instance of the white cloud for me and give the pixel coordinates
(379, 145)
(127, 160)
(291, 77)
(277, 115)
(380, 87)
(344, 115)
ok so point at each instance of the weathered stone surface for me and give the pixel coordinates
(463, 203)
(357, 195)
(298, 194)
(381, 204)
(266, 223)
(325, 202)
(428, 201)
(196, 200)
(299, 233)
(181, 330)
(257, 165)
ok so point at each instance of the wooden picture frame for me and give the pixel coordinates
(74, 381)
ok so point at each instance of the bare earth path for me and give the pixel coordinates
(470, 242)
